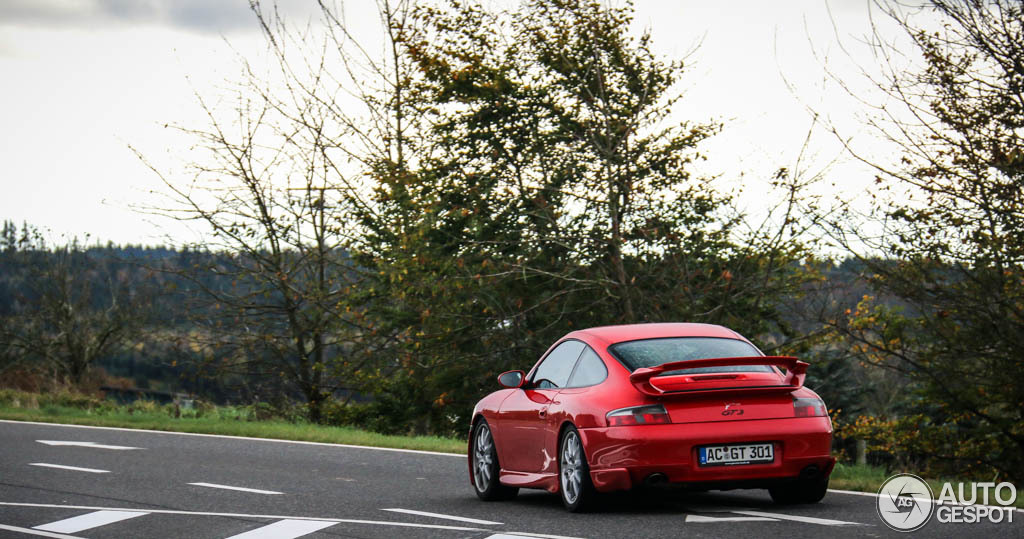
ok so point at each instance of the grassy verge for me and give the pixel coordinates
(860, 478)
(228, 421)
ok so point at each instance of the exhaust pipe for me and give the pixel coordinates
(656, 479)
(810, 472)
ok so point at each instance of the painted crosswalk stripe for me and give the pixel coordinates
(88, 521)
(38, 533)
(263, 516)
(439, 515)
(73, 468)
(285, 529)
(240, 489)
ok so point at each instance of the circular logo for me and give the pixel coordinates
(904, 502)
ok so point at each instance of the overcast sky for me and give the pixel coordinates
(83, 79)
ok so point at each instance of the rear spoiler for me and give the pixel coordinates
(796, 369)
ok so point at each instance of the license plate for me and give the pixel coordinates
(736, 454)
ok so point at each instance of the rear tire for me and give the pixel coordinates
(483, 455)
(800, 491)
(574, 484)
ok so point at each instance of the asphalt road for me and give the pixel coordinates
(175, 485)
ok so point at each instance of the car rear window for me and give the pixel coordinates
(653, 352)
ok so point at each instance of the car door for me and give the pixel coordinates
(527, 442)
(575, 402)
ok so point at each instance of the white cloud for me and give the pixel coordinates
(205, 16)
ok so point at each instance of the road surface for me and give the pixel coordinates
(66, 481)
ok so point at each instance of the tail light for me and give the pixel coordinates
(812, 407)
(638, 415)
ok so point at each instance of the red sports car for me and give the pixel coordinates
(614, 407)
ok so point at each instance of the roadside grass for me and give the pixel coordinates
(229, 421)
(857, 477)
(77, 409)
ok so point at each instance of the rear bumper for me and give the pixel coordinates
(622, 457)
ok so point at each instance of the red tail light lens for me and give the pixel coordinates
(638, 415)
(809, 408)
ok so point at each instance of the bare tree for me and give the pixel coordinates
(73, 309)
(279, 182)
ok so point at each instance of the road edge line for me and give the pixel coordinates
(229, 437)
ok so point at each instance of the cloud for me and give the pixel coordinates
(219, 16)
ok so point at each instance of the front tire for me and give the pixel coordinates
(484, 457)
(574, 482)
(800, 491)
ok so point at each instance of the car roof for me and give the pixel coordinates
(631, 332)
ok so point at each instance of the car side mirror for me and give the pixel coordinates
(512, 379)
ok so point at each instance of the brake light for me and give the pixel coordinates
(811, 407)
(638, 415)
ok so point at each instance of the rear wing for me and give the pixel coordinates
(796, 371)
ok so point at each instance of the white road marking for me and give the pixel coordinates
(122, 429)
(30, 531)
(87, 444)
(701, 518)
(268, 517)
(88, 521)
(241, 489)
(872, 494)
(439, 515)
(522, 535)
(284, 529)
(61, 467)
(795, 518)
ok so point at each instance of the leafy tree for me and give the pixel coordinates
(953, 234)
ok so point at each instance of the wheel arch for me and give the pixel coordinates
(566, 423)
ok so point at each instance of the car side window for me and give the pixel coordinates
(590, 370)
(554, 371)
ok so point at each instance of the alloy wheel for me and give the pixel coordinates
(483, 457)
(572, 467)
